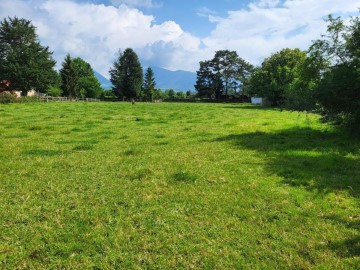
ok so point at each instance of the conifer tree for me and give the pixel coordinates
(24, 63)
(127, 75)
(149, 84)
(69, 78)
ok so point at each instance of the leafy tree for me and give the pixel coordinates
(82, 68)
(301, 93)
(69, 78)
(169, 93)
(149, 84)
(233, 69)
(78, 79)
(158, 94)
(87, 81)
(180, 94)
(338, 53)
(54, 91)
(127, 75)
(208, 84)
(24, 62)
(107, 94)
(90, 86)
(225, 73)
(273, 79)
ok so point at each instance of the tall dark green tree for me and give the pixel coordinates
(224, 73)
(208, 84)
(69, 78)
(149, 84)
(127, 75)
(24, 63)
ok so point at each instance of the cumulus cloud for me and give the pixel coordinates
(96, 32)
(267, 26)
(137, 3)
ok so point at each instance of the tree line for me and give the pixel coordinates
(324, 79)
(27, 65)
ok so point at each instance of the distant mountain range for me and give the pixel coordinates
(105, 83)
(178, 80)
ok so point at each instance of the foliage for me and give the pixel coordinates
(277, 73)
(300, 95)
(149, 84)
(225, 73)
(169, 93)
(82, 68)
(90, 86)
(69, 78)
(175, 186)
(158, 94)
(338, 91)
(54, 91)
(78, 79)
(108, 94)
(7, 97)
(29, 99)
(24, 62)
(180, 94)
(127, 75)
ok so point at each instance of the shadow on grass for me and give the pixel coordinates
(350, 247)
(319, 161)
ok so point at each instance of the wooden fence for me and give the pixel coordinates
(60, 99)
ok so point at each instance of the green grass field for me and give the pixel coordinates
(168, 185)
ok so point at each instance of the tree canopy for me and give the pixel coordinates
(78, 79)
(273, 78)
(127, 75)
(24, 63)
(225, 74)
(337, 58)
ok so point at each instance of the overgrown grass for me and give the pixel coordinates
(214, 186)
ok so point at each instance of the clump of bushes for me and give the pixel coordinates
(8, 97)
(28, 99)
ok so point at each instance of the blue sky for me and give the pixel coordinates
(175, 34)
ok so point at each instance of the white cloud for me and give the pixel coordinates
(96, 32)
(268, 3)
(205, 12)
(136, 3)
(270, 25)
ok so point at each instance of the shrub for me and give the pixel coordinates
(28, 99)
(54, 91)
(7, 97)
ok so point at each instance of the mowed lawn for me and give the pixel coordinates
(170, 185)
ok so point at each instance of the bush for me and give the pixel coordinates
(7, 97)
(28, 99)
(54, 91)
